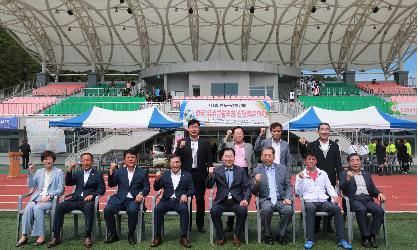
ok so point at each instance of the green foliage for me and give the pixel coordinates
(15, 64)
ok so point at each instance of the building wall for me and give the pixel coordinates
(262, 79)
(205, 79)
(178, 82)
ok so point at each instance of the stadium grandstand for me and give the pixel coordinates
(204, 58)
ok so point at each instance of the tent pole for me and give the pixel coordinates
(356, 136)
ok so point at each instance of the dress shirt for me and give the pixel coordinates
(271, 177)
(240, 155)
(175, 179)
(229, 174)
(364, 150)
(86, 177)
(352, 149)
(361, 184)
(324, 147)
(130, 176)
(47, 177)
(195, 146)
(276, 146)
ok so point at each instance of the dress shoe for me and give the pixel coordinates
(157, 241)
(39, 243)
(237, 241)
(201, 230)
(268, 241)
(373, 242)
(366, 243)
(54, 242)
(220, 242)
(131, 240)
(185, 242)
(282, 240)
(88, 243)
(228, 228)
(111, 238)
(21, 243)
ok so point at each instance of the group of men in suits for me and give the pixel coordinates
(192, 172)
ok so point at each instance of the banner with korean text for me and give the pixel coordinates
(226, 113)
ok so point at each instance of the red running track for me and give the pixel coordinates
(400, 190)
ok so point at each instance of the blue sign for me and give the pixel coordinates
(8, 122)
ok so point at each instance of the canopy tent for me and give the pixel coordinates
(369, 118)
(124, 120)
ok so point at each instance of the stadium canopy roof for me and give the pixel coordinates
(128, 35)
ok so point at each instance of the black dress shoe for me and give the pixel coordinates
(366, 243)
(268, 241)
(282, 240)
(201, 230)
(373, 242)
(111, 238)
(131, 240)
(228, 228)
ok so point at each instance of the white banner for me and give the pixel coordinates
(226, 113)
(41, 137)
(405, 108)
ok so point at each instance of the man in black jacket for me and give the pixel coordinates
(327, 152)
(88, 183)
(233, 194)
(178, 186)
(196, 158)
(358, 186)
(133, 186)
(25, 149)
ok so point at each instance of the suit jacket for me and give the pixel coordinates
(331, 164)
(25, 149)
(285, 157)
(349, 188)
(139, 183)
(94, 186)
(55, 184)
(204, 157)
(283, 185)
(240, 186)
(185, 186)
(249, 153)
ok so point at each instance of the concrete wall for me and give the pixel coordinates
(178, 82)
(261, 79)
(205, 79)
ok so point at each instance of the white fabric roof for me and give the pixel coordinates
(163, 31)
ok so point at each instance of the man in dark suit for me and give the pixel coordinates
(327, 153)
(178, 186)
(358, 186)
(281, 147)
(88, 183)
(232, 194)
(271, 183)
(196, 158)
(25, 149)
(133, 186)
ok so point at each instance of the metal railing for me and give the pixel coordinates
(16, 90)
(84, 141)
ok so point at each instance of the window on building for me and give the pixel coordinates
(224, 89)
(262, 91)
(196, 90)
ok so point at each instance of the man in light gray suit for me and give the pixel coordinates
(271, 183)
(244, 157)
(281, 147)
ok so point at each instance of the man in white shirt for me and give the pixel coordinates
(352, 149)
(313, 185)
(178, 187)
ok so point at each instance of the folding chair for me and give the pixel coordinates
(154, 204)
(303, 213)
(224, 214)
(351, 215)
(96, 217)
(20, 211)
(140, 226)
(259, 229)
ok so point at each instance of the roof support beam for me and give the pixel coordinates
(141, 29)
(194, 27)
(247, 20)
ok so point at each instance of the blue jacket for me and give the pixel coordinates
(55, 185)
(185, 185)
(94, 186)
(140, 183)
(240, 187)
(349, 188)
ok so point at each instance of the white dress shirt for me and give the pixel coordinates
(175, 179)
(276, 146)
(130, 176)
(324, 147)
(361, 184)
(195, 146)
(86, 177)
(47, 176)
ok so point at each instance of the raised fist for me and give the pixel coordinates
(32, 168)
(258, 178)
(262, 131)
(182, 143)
